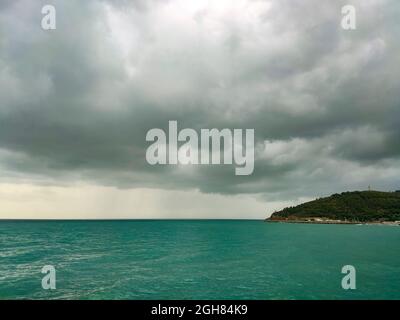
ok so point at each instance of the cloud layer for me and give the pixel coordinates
(77, 102)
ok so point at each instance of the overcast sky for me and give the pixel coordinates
(76, 104)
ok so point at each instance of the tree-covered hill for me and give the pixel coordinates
(357, 206)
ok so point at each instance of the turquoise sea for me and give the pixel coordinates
(193, 259)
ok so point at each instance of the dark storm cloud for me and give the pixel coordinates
(78, 101)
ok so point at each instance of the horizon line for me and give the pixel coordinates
(133, 219)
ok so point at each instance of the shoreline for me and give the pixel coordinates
(386, 223)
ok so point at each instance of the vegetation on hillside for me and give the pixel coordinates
(363, 206)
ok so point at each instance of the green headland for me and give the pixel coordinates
(347, 207)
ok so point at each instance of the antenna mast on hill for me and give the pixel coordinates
(369, 188)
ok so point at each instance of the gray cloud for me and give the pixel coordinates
(77, 102)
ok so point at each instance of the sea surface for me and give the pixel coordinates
(210, 259)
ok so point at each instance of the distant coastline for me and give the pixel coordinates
(388, 223)
(357, 207)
